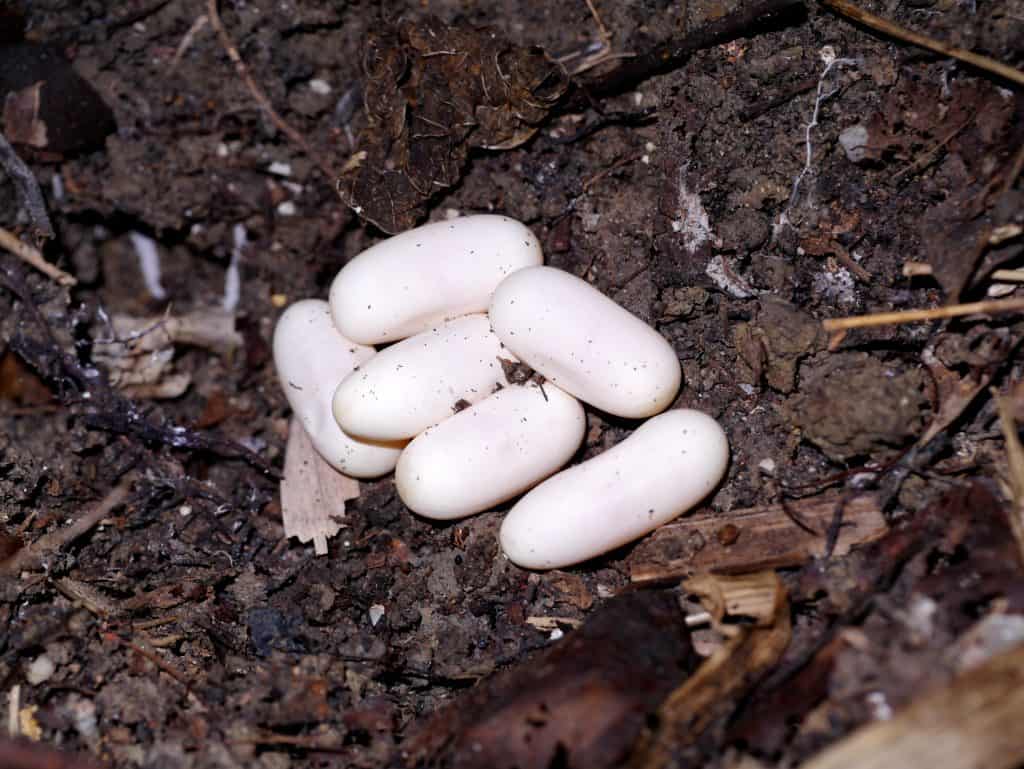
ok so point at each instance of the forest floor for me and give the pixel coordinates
(733, 200)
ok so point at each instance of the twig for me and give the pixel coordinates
(887, 27)
(32, 556)
(28, 188)
(850, 264)
(258, 94)
(916, 269)
(765, 105)
(31, 256)
(625, 161)
(988, 307)
(186, 41)
(929, 157)
(154, 658)
(602, 30)
(668, 56)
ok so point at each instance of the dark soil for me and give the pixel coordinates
(690, 204)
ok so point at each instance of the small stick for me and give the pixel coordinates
(916, 269)
(602, 30)
(611, 169)
(1009, 276)
(186, 41)
(887, 27)
(31, 556)
(31, 256)
(989, 307)
(261, 98)
(152, 657)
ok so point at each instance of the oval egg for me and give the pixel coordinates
(490, 452)
(311, 358)
(664, 468)
(585, 343)
(421, 380)
(427, 275)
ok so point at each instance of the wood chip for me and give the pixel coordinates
(755, 538)
(313, 494)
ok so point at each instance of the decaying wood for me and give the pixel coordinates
(313, 494)
(973, 722)
(713, 690)
(756, 538)
(578, 704)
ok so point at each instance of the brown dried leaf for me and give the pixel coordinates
(313, 494)
(432, 92)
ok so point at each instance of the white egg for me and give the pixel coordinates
(490, 452)
(422, 380)
(664, 468)
(585, 343)
(427, 275)
(311, 359)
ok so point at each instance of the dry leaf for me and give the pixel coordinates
(313, 494)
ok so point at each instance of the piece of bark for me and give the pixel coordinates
(973, 722)
(716, 687)
(313, 494)
(754, 539)
(580, 703)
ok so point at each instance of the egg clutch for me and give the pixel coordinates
(467, 304)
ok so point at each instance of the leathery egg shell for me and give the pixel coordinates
(585, 343)
(664, 468)
(490, 452)
(429, 274)
(311, 358)
(416, 383)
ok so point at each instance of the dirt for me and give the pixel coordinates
(688, 198)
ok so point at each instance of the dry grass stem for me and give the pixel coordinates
(33, 257)
(887, 27)
(989, 307)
